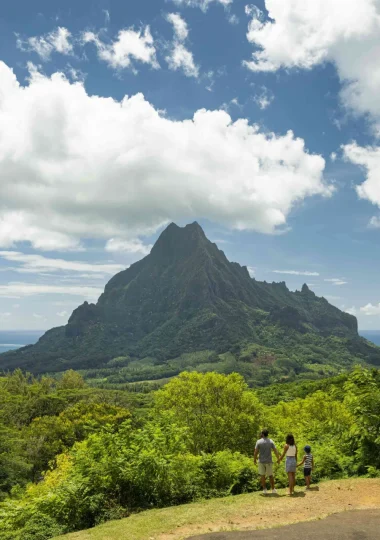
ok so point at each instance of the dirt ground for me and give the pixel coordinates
(276, 510)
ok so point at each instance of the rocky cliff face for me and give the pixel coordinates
(184, 296)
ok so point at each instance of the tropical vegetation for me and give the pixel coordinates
(73, 456)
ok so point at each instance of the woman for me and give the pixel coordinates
(290, 451)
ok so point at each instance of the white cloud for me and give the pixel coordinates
(369, 159)
(337, 281)
(20, 226)
(370, 309)
(62, 313)
(251, 270)
(5, 315)
(129, 246)
(180, 26)
(57, 41)
(304, 33)
(180, 57)
(38, 263)
(20, 289)
(352, 311)
(295, 272)
(333, 156)
(203, 4)
(374, 222)
(38, 316)
(107, 16)
(233, 19)
(130, 44)
(74, 166)
(264, 98)
(75, 74)
(235, 102)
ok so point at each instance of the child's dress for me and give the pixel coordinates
(291, 463)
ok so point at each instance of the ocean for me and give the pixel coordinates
(371, 335)
(13, 339)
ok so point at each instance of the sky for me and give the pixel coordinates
(260, 121)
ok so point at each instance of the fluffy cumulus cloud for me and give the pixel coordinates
(304, 33)
(130, 45)
(74, 166)
(180, 58)
(57, 41)
(203, 4)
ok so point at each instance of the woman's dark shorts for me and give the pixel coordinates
(307, 471)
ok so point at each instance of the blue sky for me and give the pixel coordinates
(119, 117)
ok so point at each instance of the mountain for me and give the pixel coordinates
(186, 298)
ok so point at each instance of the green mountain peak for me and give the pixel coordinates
(186, 297)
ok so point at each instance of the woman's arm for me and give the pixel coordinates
(283, 453)
(302, 462)
(296, 453)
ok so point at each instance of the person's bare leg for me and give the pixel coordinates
(263, 481)
(293, 481)
(290, 482)
(307, 478)
(271, 479)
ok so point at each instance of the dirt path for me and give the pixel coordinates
(272, 511)
(354, 525)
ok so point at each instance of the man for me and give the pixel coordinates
(263, 449)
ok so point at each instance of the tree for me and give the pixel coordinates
(219, 410)
(71, 380)
(362, 398)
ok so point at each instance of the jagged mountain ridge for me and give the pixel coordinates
(184, 296)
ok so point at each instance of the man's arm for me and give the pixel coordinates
(277, 453)
(255, 455)
(279, 459)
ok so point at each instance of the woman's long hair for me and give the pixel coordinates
(290, 440)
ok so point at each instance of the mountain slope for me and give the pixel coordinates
(185, 296)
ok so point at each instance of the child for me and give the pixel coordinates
(308, 465)
(290, 451)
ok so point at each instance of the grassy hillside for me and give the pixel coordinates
(242, 512)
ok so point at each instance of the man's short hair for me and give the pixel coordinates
(265, 433)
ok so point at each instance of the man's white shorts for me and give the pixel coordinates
(265, 469)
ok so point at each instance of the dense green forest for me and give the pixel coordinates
(282, 355)
(72, 456)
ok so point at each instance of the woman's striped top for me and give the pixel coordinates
(308, 461)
